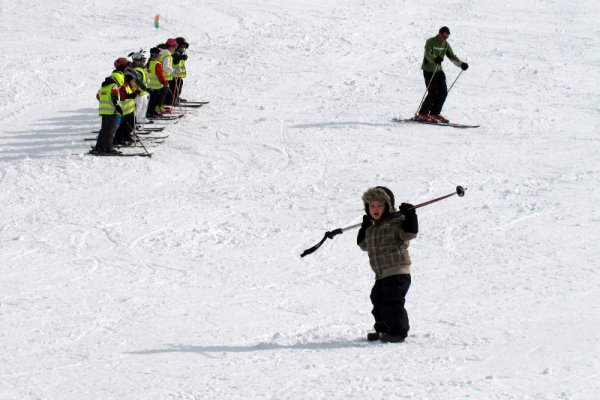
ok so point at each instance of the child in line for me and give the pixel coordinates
(385, 237)
(127, 93)
(109, 110)
(156, 83)
(141, 101)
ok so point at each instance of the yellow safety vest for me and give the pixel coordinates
(181, 66)
(106, 106)
(153, 82)
(144, 74)
(128, 105)
(168, 76)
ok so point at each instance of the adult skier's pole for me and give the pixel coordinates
(454, 82)
(427, 88)
(460, 191)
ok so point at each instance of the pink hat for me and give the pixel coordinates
(171, 42)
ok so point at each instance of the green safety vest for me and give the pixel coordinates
(106, 106)
(153, 82)
(144, 74)
(168, 76)
(128, 105)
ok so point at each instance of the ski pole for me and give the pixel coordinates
(140, 142)
(454, 81)
(177, 104)
(427, 88)
(137, 137)
(460, 191)
(175, 93)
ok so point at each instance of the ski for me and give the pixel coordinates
(144, 138)
(154, 143)
(167, 117)
(193, 102)
(187, 105)
(157, 129)
(118, 154)
(170, 121)
(450, 124)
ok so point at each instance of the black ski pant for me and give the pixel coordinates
(179, 88)
(170, 90)
(436, 95)
(123, 133)
(107, 132)
(388, 297)
(156, 99)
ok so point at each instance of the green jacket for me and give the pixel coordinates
(435, 48)
(387, 245)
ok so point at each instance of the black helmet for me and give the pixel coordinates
(154, 51)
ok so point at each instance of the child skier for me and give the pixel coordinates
(141, 101)
(179, 59)
(127, 93)
(109, 109)
(166, 60)
(156, 83)
(385, 237)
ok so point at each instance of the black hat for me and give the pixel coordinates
(154, 51)
(444, 29)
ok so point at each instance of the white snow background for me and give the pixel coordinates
(179, 276)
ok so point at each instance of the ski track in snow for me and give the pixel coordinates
(179, 276)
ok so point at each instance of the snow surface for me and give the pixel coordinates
(179, 276)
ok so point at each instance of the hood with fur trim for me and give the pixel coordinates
(379, 193)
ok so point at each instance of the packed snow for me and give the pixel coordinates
(179, 276)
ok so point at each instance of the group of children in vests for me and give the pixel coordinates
(136, 92)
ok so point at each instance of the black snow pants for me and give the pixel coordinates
(123, 133)
(388, 297)
(107, 132)
(436, 95)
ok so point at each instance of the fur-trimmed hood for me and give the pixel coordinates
(379, 193)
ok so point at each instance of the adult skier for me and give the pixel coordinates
(435, 80)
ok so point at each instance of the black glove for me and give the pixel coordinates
(184, 57)
(118, 109)
(411, 223)
(438, 60)
(132, 95)
(367, 222)
(406, 207)
(464, 66)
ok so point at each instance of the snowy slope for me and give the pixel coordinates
(179, 276)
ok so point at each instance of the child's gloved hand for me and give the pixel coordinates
(407, 208)
(367, 222)
(411, 222)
